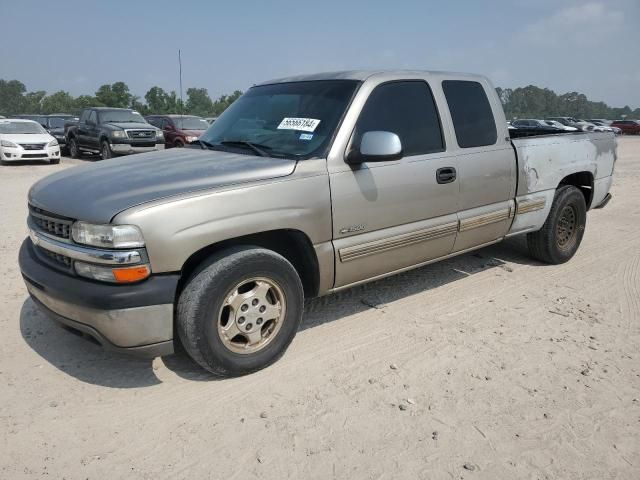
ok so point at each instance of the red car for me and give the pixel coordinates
(179, 130)
(627, 126)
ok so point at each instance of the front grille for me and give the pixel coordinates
(35, 155)
(50, 223)
(141, 134)
(56, 257)
(33, 146)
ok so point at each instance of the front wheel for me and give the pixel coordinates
(560, 236)
(105, 150)
(73, 148)
(240, 311)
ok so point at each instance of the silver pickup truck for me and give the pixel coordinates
(304, 186)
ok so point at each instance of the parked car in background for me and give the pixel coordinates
(566, 121)
(210, 120)
(54, 124)
(112, 131)
(179, 130)
(601, 121)
(22, 139)
(606, 127)
(629, 127)
(531, 123)
(41, 119)
(556, 124)
(308, 186)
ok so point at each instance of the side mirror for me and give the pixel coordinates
(376, 146)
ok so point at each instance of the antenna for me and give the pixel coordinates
(180, 67)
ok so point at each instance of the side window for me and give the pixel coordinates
(471, 113)
(84, 116)
(407, 109)
(152, 121)
(93, 117)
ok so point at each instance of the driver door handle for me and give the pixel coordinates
(446, 175)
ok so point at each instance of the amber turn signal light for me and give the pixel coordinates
(131, 274)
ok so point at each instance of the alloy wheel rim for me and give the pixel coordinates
(566, 227)
(251, 315)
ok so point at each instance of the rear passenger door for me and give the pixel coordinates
(486, 165)
(394, 214)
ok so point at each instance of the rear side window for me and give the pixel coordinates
(407, 109)
(471, 113)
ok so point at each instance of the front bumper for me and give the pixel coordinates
(135, 319)
(127, 148)
(9, 154)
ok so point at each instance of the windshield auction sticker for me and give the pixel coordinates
(300, 124)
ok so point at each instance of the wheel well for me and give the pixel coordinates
(293, 245)
(583, 181)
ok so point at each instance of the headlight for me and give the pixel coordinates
(119, 134)
(109, 236)
(191, 139)
(53, 143)
(159, 134)
(114, 275)
(7, 143)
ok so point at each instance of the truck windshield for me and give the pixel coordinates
(121, 116)
(8, 127)
(294, 120)
(190, 123)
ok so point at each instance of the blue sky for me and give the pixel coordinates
(590, 46)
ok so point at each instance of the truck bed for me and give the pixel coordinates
(543, 161)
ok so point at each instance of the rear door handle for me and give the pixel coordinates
(446, 175)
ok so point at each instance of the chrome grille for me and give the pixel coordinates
(33, 146)
(51, 224)
(141, 134)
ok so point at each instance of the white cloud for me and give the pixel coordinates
(583, 24)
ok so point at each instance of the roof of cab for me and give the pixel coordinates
(362, 75)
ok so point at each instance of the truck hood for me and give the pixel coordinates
(134, 126)
(97, 192)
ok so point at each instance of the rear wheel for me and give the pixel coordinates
(105, 150)
(54, 161)
(178, 144)
(240, 311)
(560, 236)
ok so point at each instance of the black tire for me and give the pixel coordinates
(74, 151)
(105, 150)
(178, 144)
(54, 161)
(560, 236)
(204, 297)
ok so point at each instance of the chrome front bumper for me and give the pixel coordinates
(127, 149)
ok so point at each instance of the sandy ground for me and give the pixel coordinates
(490, 360)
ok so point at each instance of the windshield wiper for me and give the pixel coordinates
(203, 144)
(253, 146)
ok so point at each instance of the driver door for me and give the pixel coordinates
(393, 214)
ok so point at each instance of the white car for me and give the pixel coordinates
(556, 124)
(26, 140)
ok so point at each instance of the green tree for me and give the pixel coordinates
(115, 95)
(33, 102)
(199, 102)
(11, 97)
(58, 102)
(157, 100)
(84, 101)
